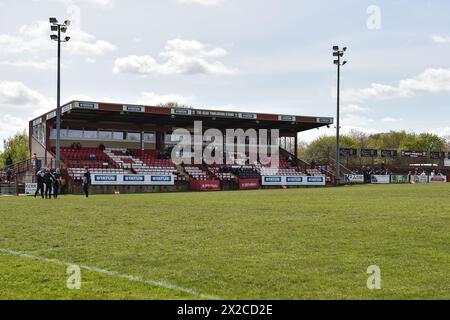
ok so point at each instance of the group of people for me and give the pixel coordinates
(48, 183)
(422, 172)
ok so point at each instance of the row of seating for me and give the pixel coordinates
(222, 176)
(279, 172)
(196, 173)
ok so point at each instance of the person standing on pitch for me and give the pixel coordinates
(40, 183)
(56, 183)
(48, 180)
(86, 182)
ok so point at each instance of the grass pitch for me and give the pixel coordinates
(267, 244)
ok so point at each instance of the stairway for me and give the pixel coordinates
(126, 161)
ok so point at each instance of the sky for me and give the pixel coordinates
(271, 56)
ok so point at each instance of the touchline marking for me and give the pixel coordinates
(156, 283)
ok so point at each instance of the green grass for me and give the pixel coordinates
(267, 244)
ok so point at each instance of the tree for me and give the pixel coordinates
(15, 149)
(323, 149)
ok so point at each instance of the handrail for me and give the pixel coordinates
(341, 166)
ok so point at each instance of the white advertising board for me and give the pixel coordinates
(354, 178)
(293, 181)
(381, 179)
(132, 180)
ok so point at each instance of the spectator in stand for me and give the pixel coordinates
(40, 183)
(86, 182)
(49, 179)
(56, 183)
(102, 147)
(34, 161)
(9, 175)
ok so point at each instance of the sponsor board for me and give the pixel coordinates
(181, 111)
(447, 162)
(437, 155)
(325, 120)
(249, 184)
(354, 178)
(272, 181)
(287, 118)
(215, 114)
(37, 122)
(414, 154)
(66, 108)
(86, 105)
(133, 108)
(380, 179)
(419, 179)
(369, 153)
(200, 185)
(293, 181)
(438, 179)
(30, 188)
(389, 153)
(399, 179)
(249, 116)
(51, 115)
(130, 180)
(347, 152)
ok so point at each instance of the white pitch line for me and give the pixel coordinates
(155, 283)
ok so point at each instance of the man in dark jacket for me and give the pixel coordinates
(40, 183)
(9, 174)
(86, 182)
(56, 183)
(48, 180)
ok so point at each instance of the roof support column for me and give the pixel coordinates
(296, 145)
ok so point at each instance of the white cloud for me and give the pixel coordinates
(19, 104)
(145, 98)
(83, 97)
(35, 38)
(431, 81)
(353, 108)
(183, 57)
(203, 2)
(17, 93)
(99, 3)
(354, 121)
(151, 98)
(10, 126)
(440, 39)
(37, 64)
(390, 120)
(442, 132)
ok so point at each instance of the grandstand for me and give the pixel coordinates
(133, 140)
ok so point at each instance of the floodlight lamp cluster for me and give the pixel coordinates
(55, 26)
(338, 54)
